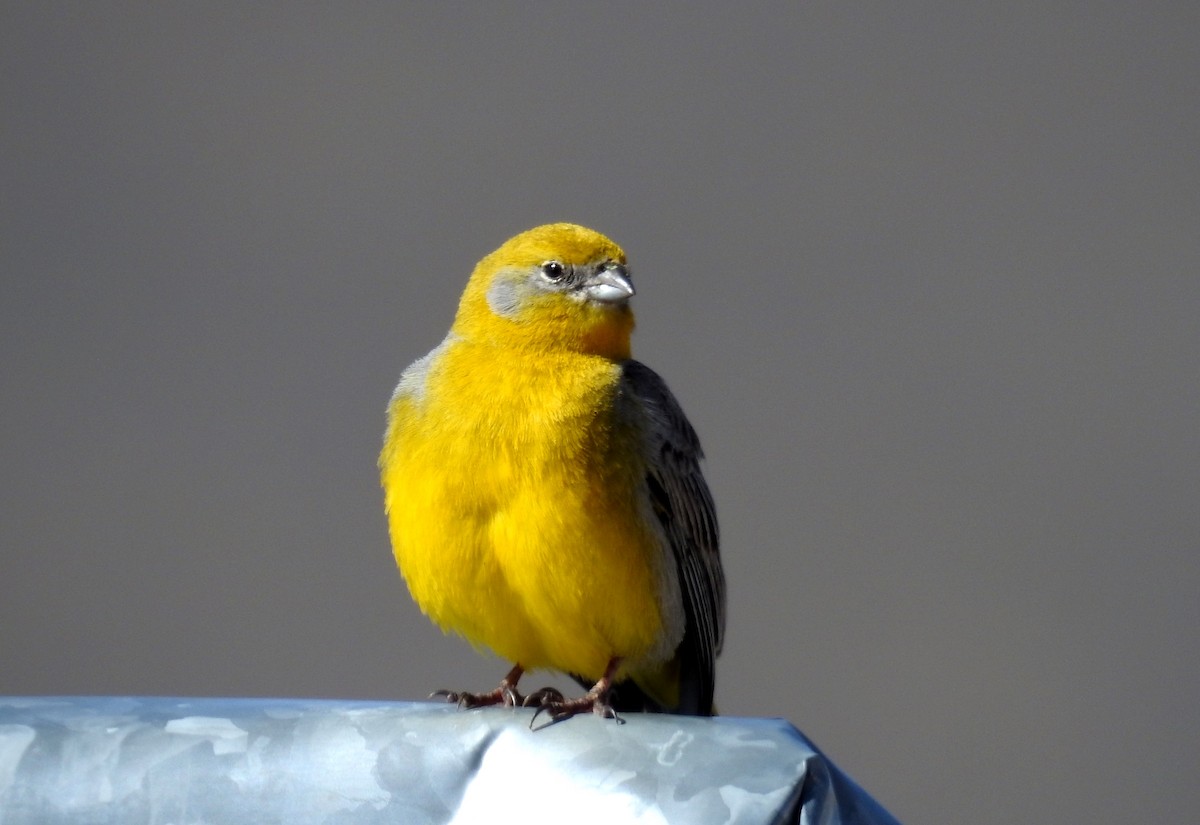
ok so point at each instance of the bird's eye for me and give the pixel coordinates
(554, 270)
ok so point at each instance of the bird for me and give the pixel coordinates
(543, 489)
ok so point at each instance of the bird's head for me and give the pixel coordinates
(554, 287)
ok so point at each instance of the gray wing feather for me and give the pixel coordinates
(684, 507)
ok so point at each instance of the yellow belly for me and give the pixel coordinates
(516, 514)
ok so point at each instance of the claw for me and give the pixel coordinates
(450, 696)
(543, 697)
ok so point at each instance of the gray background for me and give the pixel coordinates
(925, 277)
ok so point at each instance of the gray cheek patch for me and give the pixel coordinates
(504, 297)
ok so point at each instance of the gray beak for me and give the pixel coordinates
(610, 285)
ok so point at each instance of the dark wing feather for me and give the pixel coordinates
(684, 506)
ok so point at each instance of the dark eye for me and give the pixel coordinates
(554, 270)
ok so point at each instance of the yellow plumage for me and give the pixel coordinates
(518, 469)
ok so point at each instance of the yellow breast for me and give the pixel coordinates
(516, 505)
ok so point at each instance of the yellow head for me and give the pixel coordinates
(555, 287)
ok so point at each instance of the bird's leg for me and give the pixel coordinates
(595, 700)
(506, 694)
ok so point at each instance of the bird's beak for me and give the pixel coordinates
(609, 285)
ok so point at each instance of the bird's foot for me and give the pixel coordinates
(506, 694)
(508, 697)
(566, 708)
(559, 708)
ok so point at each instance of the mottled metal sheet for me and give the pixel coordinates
(104, 760)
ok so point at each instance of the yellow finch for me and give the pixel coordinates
(543, 489)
